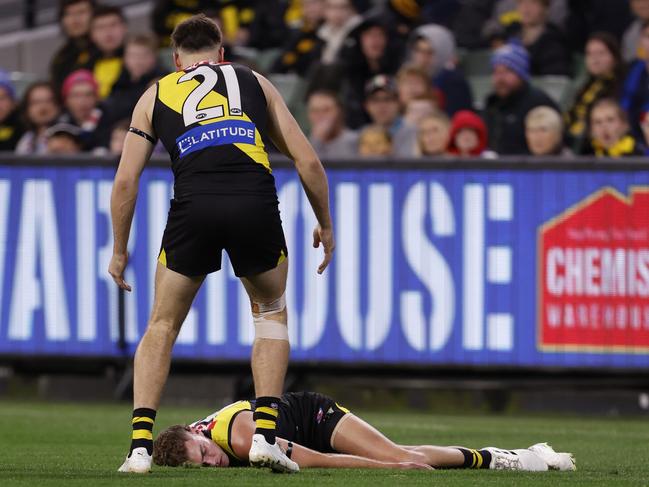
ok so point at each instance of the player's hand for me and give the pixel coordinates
(116, 270)
(324, 236)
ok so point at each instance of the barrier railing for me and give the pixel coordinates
(511, 263)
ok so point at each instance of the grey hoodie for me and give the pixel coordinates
(441, 40)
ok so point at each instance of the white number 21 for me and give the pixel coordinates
(191, 112)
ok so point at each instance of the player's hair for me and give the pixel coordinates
(145, 39)
(196, 34)
(64, 4)
(169, 447)
(106, 10)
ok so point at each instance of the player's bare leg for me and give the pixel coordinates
(270, 352)
(174, 294)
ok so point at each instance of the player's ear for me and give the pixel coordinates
(177, 63)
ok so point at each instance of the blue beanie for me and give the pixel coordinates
(7, 84)
(514, 57)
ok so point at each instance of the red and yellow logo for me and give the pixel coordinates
(594, 275)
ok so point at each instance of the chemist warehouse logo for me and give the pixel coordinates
(594, 275)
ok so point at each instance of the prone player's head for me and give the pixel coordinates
(198, 36)
(183, 445)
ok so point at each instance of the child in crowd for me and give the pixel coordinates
(609, 131)
(40, 108)
(544, 132)
(405, 139)
(468, 136)
(63, 139)
(433, 134)
(374, 140)
(118, 135)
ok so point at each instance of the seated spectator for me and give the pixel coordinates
(374, 140)
(544, 41)
(141, 67)
(635, 93)
(632, 48)
(303, 46)
(405, 139)
(588, 16)
(382, 103)
(329, 135)
(11, 128)
(512, 98)
(63, 139)
(432, 49)
(544, 133)
(80, 99)
(74, 19)
(108, 32)
(367, 53)
(604, 65)
(412, 82)
(117, 136)
(468, 137)
(609, 131)
(433, 134)
(40, 109)
(340, 18)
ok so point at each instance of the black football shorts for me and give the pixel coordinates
(200, 227)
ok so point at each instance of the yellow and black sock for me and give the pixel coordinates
(475, 458)
(143, 419)
(265, 417)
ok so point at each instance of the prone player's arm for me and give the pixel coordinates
(136, 153)
(285, 132)
(307, 458)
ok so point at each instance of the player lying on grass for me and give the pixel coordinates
(315, 431)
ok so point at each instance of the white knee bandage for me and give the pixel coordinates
(265, 326)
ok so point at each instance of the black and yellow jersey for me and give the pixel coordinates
(211, 118)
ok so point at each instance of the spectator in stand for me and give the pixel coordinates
(367, 53)
(544, 133)
(544, 41)
(632, 47)
(329, 135)
(117, 137)
(588, 16)
(74, 19)
(609, 131)
(303, 47)
(512, 98)
(374, 141)
(382, 103)
(108, 31)
(141, 67)
(644, 124)
(340, 18)
(63, 139)
(432, 49)
(605, 76)
(11, 128)
(80, 94)
(40, 108)
(635, 93)
(468, 137)
(412, 82)
(433, 133)
(405, 139)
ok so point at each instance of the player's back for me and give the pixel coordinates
(211, 118)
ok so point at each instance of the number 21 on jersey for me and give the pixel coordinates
(191, 112)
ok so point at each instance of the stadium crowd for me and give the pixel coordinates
(381, 78)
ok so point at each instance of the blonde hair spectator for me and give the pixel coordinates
(433, 133)
(544, 132)
(374, 141)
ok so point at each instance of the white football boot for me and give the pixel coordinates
(522, 459)
(262, 454)
(555, 461)
(139, 461)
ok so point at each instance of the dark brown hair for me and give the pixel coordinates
(24, 103)
(106, 10)
(613, 47)
(197, 33)
(169, 447)
(64, 4)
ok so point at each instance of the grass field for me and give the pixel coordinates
(66, 444)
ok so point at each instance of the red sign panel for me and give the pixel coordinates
(594, 275)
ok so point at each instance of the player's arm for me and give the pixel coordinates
(138, 146)
(285, 132)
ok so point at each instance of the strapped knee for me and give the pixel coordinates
(266, 324)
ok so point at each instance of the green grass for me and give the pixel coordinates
(66, 444)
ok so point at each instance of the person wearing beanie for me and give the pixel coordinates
(80, 94)
(11, 128)
(468, 135)
(512, 98)
(432, 48)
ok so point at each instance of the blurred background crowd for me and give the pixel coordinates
(367, 78)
